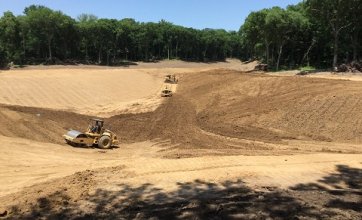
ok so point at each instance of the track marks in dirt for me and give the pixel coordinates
(313, 186)
(222, 112)
(89, 91)
(220, 109)
(37, 124)
(297, 106)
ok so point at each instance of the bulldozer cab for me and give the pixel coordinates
(95, 126)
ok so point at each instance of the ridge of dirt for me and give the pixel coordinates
(212, 108)
(44, 125)
(225, 111)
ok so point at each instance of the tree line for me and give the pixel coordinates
(320, 33)
(45, 35)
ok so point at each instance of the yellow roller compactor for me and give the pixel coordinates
(96, 135)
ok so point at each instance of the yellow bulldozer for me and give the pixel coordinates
(166, 92)
(172, 79)
(96, 135)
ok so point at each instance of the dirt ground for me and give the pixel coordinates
(109, 91)
(228, 145)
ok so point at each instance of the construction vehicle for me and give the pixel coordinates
(171, 79)
(96, 135)
(166, 92)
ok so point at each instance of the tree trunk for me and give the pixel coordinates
(335, 50)
(168, 52)
(50, 49)
(279, 56)
(24, 47)
(126, 51)
(306, 55)
(267, 52)
(146, 54)
(355, 46)
(177, 49)
(86, 53)
(99, 55)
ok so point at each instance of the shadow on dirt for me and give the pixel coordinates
(337, 196)
(344, 189)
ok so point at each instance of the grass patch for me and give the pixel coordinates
(307, 68)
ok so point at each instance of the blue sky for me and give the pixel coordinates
(226, 14)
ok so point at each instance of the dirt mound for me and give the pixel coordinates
(270, 108)
(39, 124)
(283, 107)
(93, 90)
(227, 111)
(211, 108)
(86, 91)
(353, 67)
(215, 112)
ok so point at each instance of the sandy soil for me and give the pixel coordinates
(165, 64)
(84, 91)
(135, 172)
(92, 90)
(323, 75)
(29, 162)
(228, 144)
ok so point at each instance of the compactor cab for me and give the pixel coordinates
(95, 126)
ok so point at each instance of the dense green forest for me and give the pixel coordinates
(320, 33)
